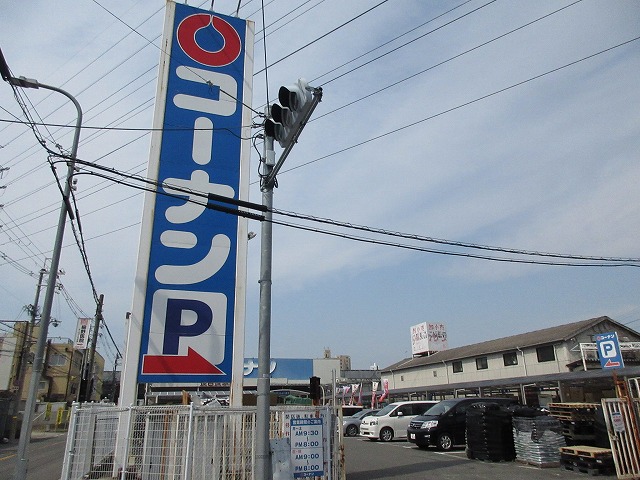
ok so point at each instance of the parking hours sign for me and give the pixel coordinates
(609, 350)
(307, 454)
(189, 299)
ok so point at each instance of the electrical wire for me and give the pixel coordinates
(457, 107)
(465, 104)
(454, 243)
(451, 253)
(289, 55)
(425, 70)
(155, 187)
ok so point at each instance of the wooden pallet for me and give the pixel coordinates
(587, 451)
(573, 411)
(572, 405)
(569, 408)
(539, 464)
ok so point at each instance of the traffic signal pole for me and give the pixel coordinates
(298, 115)
(263, 457)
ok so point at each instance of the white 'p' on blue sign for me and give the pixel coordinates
(609, 350)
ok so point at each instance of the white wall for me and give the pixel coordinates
(528, 365)
(324, 368)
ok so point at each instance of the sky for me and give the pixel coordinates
(489, 123)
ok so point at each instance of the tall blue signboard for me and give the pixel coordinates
(188, 315)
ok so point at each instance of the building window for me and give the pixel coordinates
(481, 363)
(457, 366)
(57, 360)
(435, 373)
(510, 358)
(546, 353)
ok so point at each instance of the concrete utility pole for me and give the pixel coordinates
(26, 347)
(113, 387)
(22, 460)
(92, 350)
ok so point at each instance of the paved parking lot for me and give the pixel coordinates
(366, 460)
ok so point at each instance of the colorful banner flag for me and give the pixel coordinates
(374, 387)
(385, 390)
(354, 390)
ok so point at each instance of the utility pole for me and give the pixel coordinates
(92, 350)
(24, 354)
(113, 387)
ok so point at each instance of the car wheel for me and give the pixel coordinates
(445, 442)
(352, 431)
(386, 434)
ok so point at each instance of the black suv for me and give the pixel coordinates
(444, 424)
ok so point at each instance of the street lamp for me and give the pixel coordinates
(22, 461)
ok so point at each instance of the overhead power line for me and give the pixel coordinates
(458, 107)
(321, 37)
(453, 108)
(189, 194)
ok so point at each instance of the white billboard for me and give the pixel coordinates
(82, 334)
(428, 337)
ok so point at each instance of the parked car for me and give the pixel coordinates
(351, 424)
(444, 424)
(392, 421)
(349, 410)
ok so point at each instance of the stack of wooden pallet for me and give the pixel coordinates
(587, 459)
(578, 421)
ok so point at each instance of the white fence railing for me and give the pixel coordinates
(621, 417)
(182, 442)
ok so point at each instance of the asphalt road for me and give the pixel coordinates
(366, 460)
(45, 458)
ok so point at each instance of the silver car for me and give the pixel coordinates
(351, 425)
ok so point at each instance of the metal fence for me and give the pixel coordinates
(183, 442)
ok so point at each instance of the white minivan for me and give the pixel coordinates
(392, 421)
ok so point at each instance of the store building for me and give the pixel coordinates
(554, 364)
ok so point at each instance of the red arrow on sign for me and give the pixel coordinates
(191, 363)
(611, 364)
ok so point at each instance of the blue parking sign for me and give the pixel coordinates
(609, 350)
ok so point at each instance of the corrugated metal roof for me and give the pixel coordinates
(539, 337)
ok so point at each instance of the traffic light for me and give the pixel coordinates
(315, 390)
(288, 117)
